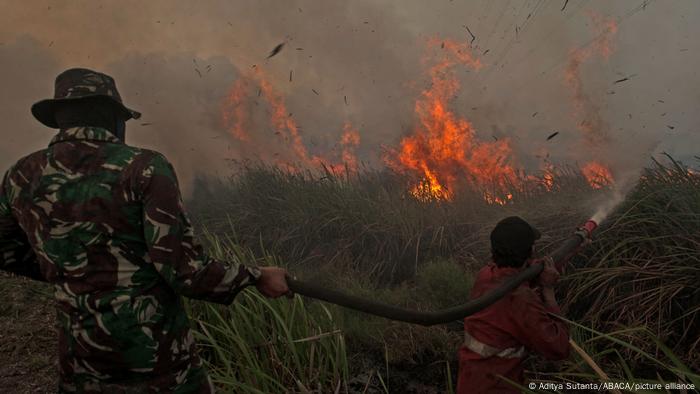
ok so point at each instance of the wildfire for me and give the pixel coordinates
(548, 175)
(443, 150)
(443, 147)
(349, 142)
(593, 127)
(496, 200)
(597, 175)
(237, 110)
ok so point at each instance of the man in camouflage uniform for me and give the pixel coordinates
(104, 223)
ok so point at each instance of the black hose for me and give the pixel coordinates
(560, 255)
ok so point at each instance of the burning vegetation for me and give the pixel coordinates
(443, 151)
(587, 113)
(253, 95)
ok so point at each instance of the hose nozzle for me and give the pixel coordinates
(589, 227)
(586, 231)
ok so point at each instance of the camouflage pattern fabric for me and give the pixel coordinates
(104, 223)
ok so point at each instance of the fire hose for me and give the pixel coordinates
(560, 256)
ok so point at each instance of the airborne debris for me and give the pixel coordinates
(670, 127)
(627, 78)
(565, 3)
(197, 70)
(471, 34)
(486, 51)
(276, 50)
(290, 75)
(552, 135)
(661, 101)
(535, 114)
(442, 46)
(346, 99)
(314, 90)
(146, 124)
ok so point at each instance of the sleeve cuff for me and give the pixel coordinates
(254, 273)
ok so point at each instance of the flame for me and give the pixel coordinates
(349, 142)
(496, 200)
(283, 122)
(593, 127)
(597, 175)
(443, 148)
(237, 108)
(548, 175)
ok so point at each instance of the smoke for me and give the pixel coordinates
(176, 61)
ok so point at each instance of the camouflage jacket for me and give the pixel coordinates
(104, 223)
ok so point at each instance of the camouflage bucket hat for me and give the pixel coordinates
(80, 84)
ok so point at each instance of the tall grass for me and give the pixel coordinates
(258, 345)
(644, 268)
(365, 234)
(369, 220)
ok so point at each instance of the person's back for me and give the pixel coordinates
(80, 203)
(499, 337)
(105, 224)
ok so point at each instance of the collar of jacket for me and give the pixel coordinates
(97, 134)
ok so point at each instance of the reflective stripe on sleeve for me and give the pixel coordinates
(487, 351)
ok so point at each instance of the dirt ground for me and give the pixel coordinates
(27, 337)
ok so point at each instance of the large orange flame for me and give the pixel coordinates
(444, 148)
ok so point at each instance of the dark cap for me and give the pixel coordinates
(513, 236)
(81, 84)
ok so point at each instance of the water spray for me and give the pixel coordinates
(429, 318)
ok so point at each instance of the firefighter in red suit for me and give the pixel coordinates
(498, 338)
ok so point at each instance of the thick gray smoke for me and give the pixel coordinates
(360, 62)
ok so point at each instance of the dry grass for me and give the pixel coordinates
(27, 338)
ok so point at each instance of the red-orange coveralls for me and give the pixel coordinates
(498, 337)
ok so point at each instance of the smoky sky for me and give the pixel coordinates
(361, 62)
